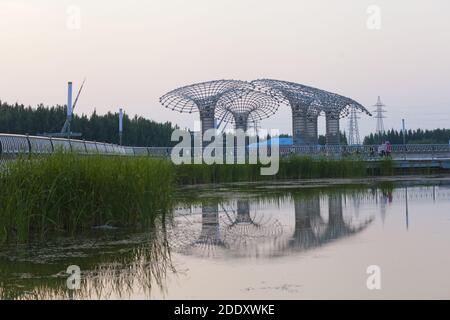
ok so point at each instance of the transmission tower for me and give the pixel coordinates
(379, 115)
(353, 129)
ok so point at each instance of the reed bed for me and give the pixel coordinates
(68, 193)
(293, 167)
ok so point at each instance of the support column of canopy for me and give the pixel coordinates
(207, 122)
(332, 128)
(207, 118)
(241, 121)
(299, 134)
(312, 131)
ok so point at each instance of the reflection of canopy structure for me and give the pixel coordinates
(210, 234)
(307, 223)
(306, 104)
(243, 105)
(246, 231)
(248, 234)
(209, 242)
(226, 233)
(310, 230)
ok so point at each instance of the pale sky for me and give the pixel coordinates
(132, 52)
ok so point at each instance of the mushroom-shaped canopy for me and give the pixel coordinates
(340, 106)
(200, 96)
(314, 100)
(250, 104)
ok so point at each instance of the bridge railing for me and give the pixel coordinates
(40, 145)
(370, 151)
(12, 145)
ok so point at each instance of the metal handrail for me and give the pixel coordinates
(16, 144)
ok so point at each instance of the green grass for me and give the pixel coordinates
(68, 193)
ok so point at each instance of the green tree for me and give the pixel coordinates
(138, 131)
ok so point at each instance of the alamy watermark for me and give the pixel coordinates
(238, 148)
(373, 281)
(73, 281)
(73, 20)
(374, 17)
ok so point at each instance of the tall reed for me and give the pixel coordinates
(293, 167)
(70, 193)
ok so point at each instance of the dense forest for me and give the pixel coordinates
(137, 131)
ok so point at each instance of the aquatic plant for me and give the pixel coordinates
(387, 166)
(69, 193)
(293, 167)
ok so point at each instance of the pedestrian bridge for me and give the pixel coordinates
(415, 155)
(409, 151)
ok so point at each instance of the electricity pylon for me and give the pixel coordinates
(379, 115)
(353, 128)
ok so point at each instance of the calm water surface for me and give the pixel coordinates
(283, 241)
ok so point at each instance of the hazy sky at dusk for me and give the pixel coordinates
(132, 52)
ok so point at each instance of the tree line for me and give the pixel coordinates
(418, 136)
(137, 131)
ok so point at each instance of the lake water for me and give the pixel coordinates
(313, 239)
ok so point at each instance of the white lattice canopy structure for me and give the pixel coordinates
(241, 102)
(202, 98)
(307, 103)
(241, 106)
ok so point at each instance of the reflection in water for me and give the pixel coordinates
(232, 230)
(238, 225)
(406, 205)
(219, 234)
(337, 227)
(110, 267)
(248, 230)
(210, 234)
(308, 223)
